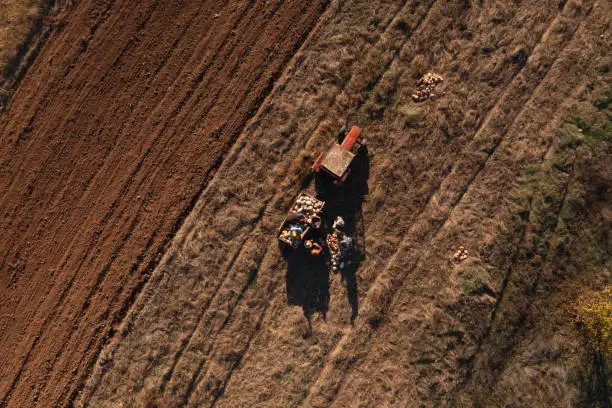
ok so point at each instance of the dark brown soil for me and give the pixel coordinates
(107, 143)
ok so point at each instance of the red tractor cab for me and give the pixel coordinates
(337, 160)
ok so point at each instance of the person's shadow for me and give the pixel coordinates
(346, 200)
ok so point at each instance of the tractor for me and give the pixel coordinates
(336, 162)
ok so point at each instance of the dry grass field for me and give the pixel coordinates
(511, 159)
(19, 20)
(474, 167)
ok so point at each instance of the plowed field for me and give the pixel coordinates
(153, 148)
(108, 142)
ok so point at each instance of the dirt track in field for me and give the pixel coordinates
(108, 142)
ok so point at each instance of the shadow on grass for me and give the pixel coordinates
(596, 385)
(307, 279)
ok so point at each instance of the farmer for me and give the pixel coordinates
(345, 244)
(338, 224)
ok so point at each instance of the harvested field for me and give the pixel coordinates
(510, 159)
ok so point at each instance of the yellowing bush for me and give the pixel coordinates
(594, 311)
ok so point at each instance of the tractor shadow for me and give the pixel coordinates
(307, 279)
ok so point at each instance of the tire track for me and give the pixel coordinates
(242, 354)
(514, 258)
(187, 341)
(549, 252)
(520, 246)
(191, 386)
(509, 275)
(269, 294)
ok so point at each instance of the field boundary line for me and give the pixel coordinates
(188, 222)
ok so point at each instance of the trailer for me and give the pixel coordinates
(304, 214)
